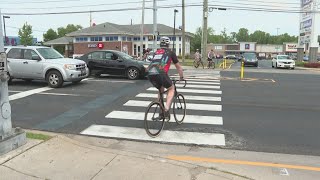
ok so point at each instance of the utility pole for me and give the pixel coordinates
(142, 30)
(183, 33)
(9, 138)
(155, 25)
(277, 40)
(174, 30)
(204, 29)
(90, 19)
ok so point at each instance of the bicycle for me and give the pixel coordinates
(156, 108)
(211, 64)
(197, 63)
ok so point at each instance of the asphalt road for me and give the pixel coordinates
(272, 112)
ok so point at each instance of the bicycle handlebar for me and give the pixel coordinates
(175, 81)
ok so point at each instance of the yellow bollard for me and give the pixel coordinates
(242, 70)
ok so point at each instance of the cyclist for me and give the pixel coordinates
(211, 56)
(158, 72)
(197, 58)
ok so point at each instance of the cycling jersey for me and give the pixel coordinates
(160, 64)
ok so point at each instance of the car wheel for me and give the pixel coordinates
(272, 65)
(276, 66)
(133, 73)
(54, 79)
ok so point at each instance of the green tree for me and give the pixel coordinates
(25, 35)
(259, 37)
(243, 35)
(197, 39)
(50, 35)
(62, 31)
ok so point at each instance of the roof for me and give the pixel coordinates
(110, 28)
(59, 41)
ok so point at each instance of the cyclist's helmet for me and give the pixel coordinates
(164, 41)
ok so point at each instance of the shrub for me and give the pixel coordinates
(312, 65)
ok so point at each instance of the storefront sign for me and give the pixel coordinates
(92, 45)
(100, 45)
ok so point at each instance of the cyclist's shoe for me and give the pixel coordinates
(166, 115)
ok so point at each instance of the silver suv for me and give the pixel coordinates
(44, 63)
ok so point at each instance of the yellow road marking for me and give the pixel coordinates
(251, 163)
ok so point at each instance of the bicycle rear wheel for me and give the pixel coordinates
(153, 122)
(179, 108)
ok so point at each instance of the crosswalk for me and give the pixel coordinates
(203, 102)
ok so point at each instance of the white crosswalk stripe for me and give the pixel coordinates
(196, 98)
(165, 136)
(194, 119)
(203, 98)
(191, 106)
(199, 91)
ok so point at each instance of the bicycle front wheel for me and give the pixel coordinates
(154, 119)
(195, 64)
(179, 108)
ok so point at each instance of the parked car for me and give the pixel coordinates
(114, 63)
(305, 58)
(250, 59)
(43, 63)
(283, 61)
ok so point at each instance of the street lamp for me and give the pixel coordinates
(174, 28)
(4, 27)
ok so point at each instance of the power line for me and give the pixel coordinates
(37, 2)
(163, 7)
(250, 4)
(266, 2)
(94, 5)
(12, 27)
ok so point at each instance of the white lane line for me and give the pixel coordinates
(54, 94)
(200, 79)
(197, 91)
(190, 106)
(179, 137)
(204, 83)
(212, 120)
(28, 93)
(198, 86)
(197, 98)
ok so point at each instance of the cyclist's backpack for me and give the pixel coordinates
(158, 62)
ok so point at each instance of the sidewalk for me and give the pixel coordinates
(81, 157)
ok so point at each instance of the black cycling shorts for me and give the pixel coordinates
(209, 59)
(160, 80)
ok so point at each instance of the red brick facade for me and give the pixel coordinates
(82, 48)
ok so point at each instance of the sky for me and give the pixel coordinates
(230, 19)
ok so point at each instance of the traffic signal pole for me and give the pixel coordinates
(9, 138)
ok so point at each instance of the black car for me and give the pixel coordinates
(250, 59)
(113, 63)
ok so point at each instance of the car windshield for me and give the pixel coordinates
(249, 56)
(49, 53)
(126, 56)
(283, 57)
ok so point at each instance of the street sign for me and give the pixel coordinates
(3, 62)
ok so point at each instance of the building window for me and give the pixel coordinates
(135, 50)
(158, 38)
(124, 38)
(173, 38)
(129, 39)
(96, 38)
(112, 38)
(81, 39)
(179, 38)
